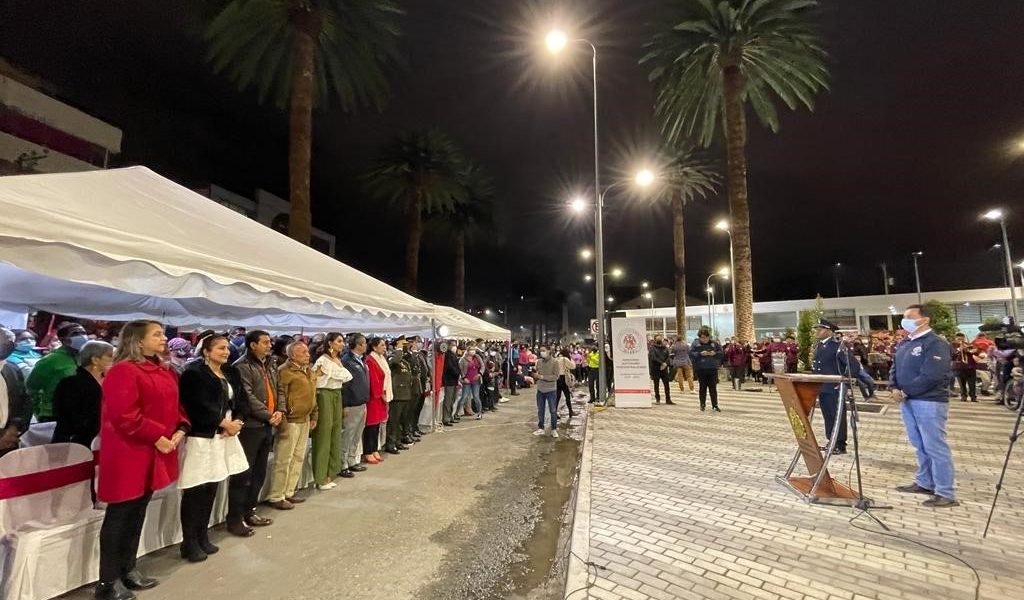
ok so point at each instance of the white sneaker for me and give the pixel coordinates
(539, 432)
(554, 433)
(503, 401)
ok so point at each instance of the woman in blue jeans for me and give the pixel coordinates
(472, 367)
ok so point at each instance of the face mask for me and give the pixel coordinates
(493, 353)
(543, 354)
(77, 341)
(471, 351)
(25, 346)
(443, 347)
(909, 324)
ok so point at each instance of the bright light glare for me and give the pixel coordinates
(578, 204)
(722, 225)
(648, 295)
(487, 312)
(644, 284)
(995, 214)
(611, 299)
(585, 253)
(1021, 264)
(724, 271)
(709, 290)
(556, 41)
(644, 178)
(588, 278)
(616, 272)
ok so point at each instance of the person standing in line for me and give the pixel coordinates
(681, 363)
(919, 381)
(471, 369)
(377, 405)
(450, 381)
(298, 389)
(331, 378)
(657, 359)
(141, 424)
(266, 411)
(593, 372)
(402, 378)
(15, 404)
(47, 373)
(792, 350)
(421, 388)
(831, 358)
(210, 391)
(565, 370)
(707, 356)
(77, 399)
(24, 356)
(547, 385)
(354, 396)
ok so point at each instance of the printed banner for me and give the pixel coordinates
(629, 355)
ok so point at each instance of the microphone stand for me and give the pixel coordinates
(864, 505)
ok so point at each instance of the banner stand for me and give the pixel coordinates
(630, 363)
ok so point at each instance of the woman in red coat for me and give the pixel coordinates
(377, 405)
(141, 424)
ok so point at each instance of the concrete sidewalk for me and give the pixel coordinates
(447, 519)
(683, 504)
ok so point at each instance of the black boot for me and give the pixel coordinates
(205, 544)
(134, 580)
(113, 591)
(191, 552)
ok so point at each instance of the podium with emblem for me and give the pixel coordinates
(799, 392)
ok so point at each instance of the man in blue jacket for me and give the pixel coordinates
(919, 380)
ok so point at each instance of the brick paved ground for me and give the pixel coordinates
(684, 505)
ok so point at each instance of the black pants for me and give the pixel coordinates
(661, 376)
(592, 375)
(412, 416)
(512, 378)
(708, 380)
(829, 402)
(371, 437)
(396, 416)
(196, 507)
(244, 488)
(562, 387)
(968, 380)
(738, 375)
(119, 537)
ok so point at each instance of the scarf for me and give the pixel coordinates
(389, 394)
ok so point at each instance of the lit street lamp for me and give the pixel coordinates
(585, 254)
(917, 274)
(588, 278)
(836, 275)
(997, 214)
(723, 225)
(578, 205)
(998, 249)
(724, 274)
(644, 284)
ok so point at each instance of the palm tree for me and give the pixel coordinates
(688, 175)
(717, 57)
(299, 52)
(420, 172)
(473, 214)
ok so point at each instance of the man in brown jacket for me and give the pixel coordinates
(298, 386)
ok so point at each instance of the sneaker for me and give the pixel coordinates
(539, 432)
(702, 409)
(503, 401)
(913, 488)
(554, 433)
(940, 502)
(716, 409)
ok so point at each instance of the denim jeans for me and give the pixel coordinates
(550, 400)
(470, 390)
(926, 429)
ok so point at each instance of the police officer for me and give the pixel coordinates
(831, 358)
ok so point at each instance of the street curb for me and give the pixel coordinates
(577, 575)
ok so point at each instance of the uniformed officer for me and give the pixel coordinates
(831, 358)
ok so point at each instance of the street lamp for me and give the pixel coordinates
(588, 278)
(650, 296)
(885, 287)
(917, 274)
(723, 225)
(578, 204)
(998, 249)
(724, 274)
(836, 276)
(616, 272)
(644, 285)
(611, 299)
(997, 214)
(585, 254)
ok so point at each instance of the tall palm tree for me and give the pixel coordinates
(420, 172)
(716, 58)
(470, 216)
(299, 52)
(688, 175)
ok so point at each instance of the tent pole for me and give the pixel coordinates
(433, 381)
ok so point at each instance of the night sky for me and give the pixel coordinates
(903, 153)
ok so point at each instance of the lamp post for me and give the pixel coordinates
(998, 248)
(885, 287)
(836, 277)
(723, 225)
(917, 274)
(723, 272)
(997, 214)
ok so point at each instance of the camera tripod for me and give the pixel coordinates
(1009, 450)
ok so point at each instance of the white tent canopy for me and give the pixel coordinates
(127, 243)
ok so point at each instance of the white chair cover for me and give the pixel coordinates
(50, 541)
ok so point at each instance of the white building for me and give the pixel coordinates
(861, 313)
(40, 134)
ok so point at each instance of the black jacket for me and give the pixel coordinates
(76, 408)
(205, 400)
(19, 404)
(357, 391)
(452, 372)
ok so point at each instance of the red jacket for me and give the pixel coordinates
(140, 404)
(376, 407)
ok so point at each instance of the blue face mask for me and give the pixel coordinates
(25, 346)
(909, 324)
(77, 341)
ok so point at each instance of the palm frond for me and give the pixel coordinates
(422, 163)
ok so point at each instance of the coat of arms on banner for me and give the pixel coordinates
(632, 342)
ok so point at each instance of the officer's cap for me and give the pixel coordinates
(826, 324)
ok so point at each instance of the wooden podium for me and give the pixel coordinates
(799, 393)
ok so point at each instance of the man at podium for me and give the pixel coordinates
(831, 358)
